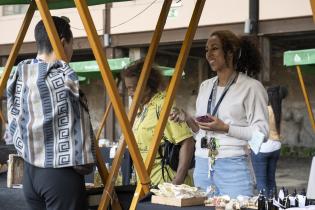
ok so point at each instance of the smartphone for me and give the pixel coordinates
(203, 118)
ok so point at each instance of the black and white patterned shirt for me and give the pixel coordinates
(49, 126)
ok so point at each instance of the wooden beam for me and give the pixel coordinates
(98, 134)
(170, 95)
(306, 97)
(15, 50)
(146, 69)
(313, 8)
(17, 46)
(112, 91)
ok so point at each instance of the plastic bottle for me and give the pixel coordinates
(286, 199)
(304, 194)
(97, 179)
(275, 199)
(261, 201)
(119, 178)
(133, 179)
(270, 200)
(281, 198)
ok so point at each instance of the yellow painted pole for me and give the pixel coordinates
(103, 121)
(17, 46)
(306, 98)
(146, 69)
(104, 118)
(51, 29)
(112, 91)
(313, 8)
(2, 118)
(169, 99)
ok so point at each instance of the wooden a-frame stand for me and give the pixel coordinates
(143, 169)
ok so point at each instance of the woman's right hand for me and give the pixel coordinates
(178, 115)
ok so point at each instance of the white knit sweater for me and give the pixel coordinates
(244, 109)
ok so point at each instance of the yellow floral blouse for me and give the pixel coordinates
(143, 129)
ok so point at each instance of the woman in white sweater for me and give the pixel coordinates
(234, 108)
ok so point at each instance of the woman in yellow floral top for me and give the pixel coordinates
(147, 117)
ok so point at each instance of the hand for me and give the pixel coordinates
(178, 115)
(215, 125)
(176, 182)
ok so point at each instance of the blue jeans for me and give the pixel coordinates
(231, 176)
(265, 165)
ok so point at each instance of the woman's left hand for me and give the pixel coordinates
(215, 125)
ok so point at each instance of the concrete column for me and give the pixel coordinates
(137, 53)
(3, 60)
(265, 49)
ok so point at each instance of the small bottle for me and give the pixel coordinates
(133, 179)
(292, 199)
(301, 198)
(270, 200)
(286, 199)
(261, 201)
(281, 198)
(119, 178)
(275, 199)
(97, 179)
(304, 194)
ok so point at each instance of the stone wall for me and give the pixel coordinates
(296, 127)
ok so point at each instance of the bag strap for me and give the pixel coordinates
(160, 150)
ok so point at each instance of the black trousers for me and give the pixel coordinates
(53, 188)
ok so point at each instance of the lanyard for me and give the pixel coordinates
(211, 100)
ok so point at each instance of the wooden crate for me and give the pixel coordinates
(178, 202)
(15, 171)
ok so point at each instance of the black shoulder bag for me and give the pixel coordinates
(169, 154)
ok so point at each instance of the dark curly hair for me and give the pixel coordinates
(275, 96)
(155, 80)
(246, 56)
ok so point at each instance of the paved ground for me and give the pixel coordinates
(293, 173)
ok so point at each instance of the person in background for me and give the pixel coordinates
(48, 124)
(230, 108)
(265, 162)
(146, 120)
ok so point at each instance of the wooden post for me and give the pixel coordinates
(313, 9)
(112, 91)
(146, 69)
(169, 99)
(103, 121)
(17, 46)
(306, 98)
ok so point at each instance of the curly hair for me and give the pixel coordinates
(155, 80)
(246, 56)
